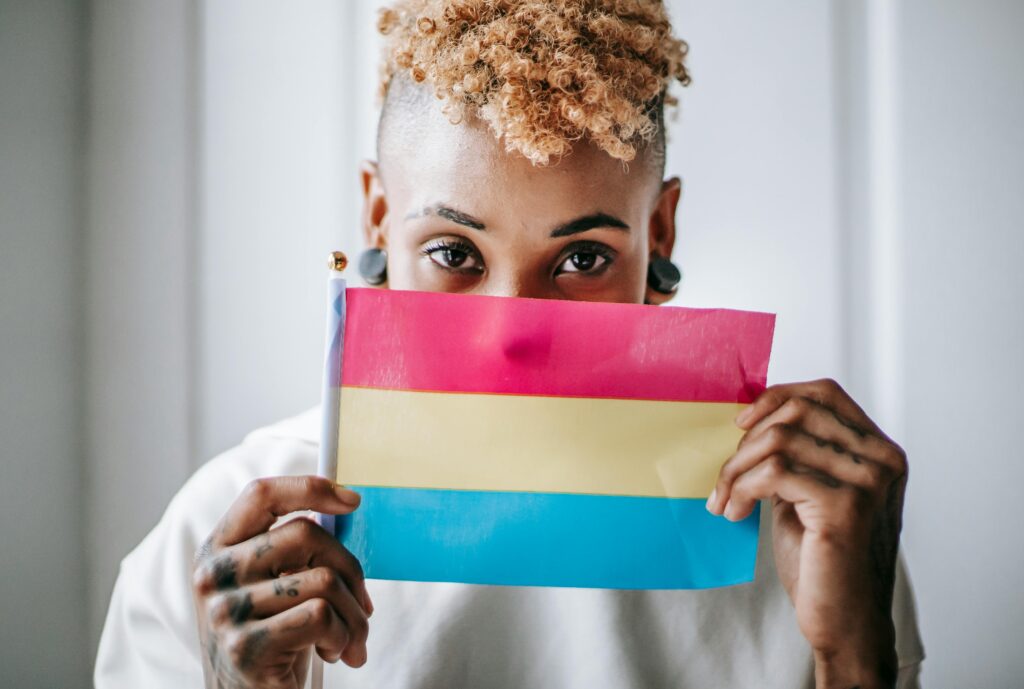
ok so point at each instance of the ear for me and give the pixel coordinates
(661, 229)
(375, 205)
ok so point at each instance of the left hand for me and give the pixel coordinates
(836, 483)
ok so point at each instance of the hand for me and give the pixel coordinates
(265, 597)
(836, 484)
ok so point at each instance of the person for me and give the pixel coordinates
(521, 153)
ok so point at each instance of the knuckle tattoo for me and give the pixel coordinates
(860, 432)
(248, 646)
(204, 550)
(239, 606)
(286, 587)
(265, 545)
(224, 572)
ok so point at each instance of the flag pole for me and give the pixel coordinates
(331, 402)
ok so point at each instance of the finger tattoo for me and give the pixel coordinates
(252, 647)
(239, 607)
(838, 449)
(265, 547)
(853, 427)
(286, 588)
(225, 574)
(204, 550)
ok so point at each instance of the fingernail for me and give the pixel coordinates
(744, 415)
(711, 502)
(349, 497)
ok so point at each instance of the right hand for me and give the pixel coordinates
(265, 597)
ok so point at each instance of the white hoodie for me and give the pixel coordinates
(459, 635)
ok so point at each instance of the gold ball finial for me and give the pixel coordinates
(337, 261)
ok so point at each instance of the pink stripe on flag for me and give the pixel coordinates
(467, 343)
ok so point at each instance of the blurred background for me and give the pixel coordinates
(174, 172)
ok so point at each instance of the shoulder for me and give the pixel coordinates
(288, 447)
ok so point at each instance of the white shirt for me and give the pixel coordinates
(459, 635)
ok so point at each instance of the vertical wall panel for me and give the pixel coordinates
(139, 185)
(962, 166)
(279, 192)
(43, 594)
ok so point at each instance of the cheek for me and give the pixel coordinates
(626, 284)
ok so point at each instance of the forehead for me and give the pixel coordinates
(425, 159)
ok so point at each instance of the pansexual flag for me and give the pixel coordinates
(538, 442)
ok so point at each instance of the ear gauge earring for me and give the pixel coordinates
(663, 275)
(373, 266)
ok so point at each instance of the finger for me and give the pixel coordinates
(823, 504)
(825, 392)
(832, 428)
(777, 477)
(273, 597)
(824, 423)
(300, 544)
(265, 500)
(268, 598)
(314, 623)
(817, 454)
(271, 641)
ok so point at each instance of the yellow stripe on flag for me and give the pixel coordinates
(529, 443)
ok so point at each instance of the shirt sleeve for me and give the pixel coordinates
(150, 638)
(909, 649)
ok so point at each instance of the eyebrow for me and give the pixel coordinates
(589, 222)
(581, 224)
(451, 214)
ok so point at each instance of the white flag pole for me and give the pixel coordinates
(331, 403)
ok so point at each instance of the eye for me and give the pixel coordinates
(453, 255)
(588, 258)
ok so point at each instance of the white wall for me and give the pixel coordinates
(962, 190)
(43, 591)
(754, 143)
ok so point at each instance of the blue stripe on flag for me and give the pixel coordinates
(547, 539)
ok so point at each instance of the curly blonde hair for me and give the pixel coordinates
(542, 73)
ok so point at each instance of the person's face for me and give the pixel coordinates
(456, 213)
